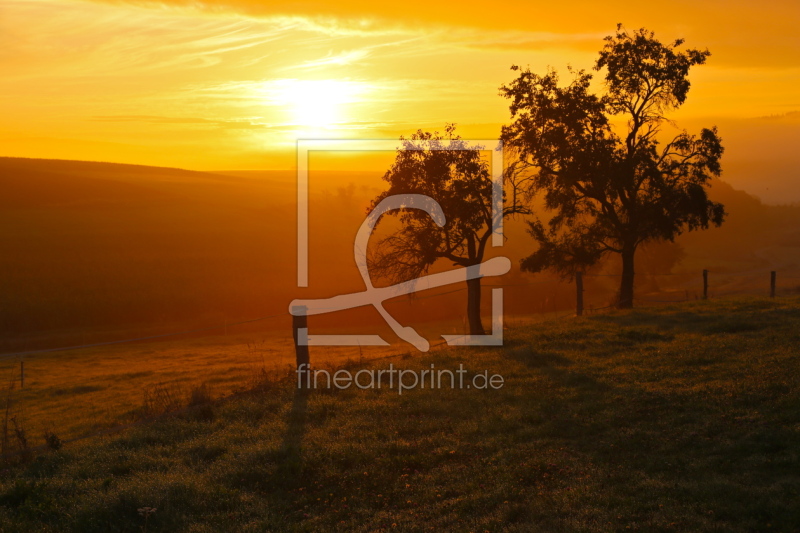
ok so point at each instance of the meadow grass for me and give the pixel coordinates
(77, 392)
(684, 418)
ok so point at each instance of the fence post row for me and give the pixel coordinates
(773, 277)
(300, 321)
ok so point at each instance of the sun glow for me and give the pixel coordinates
(316, 103)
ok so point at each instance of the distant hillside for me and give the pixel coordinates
(100, 248)
(66, 166)
(90, 245)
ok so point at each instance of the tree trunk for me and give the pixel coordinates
(474, 306)
(626, 284)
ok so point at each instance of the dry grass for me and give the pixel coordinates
(75, 393)
(679, 419)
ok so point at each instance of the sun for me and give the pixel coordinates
(316, 103)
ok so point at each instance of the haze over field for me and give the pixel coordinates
(101, 251)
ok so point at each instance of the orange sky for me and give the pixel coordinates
(233, 83)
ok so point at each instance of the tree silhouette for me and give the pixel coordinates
(441, 167)
(610, 192)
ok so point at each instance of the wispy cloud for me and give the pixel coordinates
(344, 58)
(741, 32)
(154, 119)
(249, 71)
(523, 40)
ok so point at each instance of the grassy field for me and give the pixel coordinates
(685, 418)
(79, 392)
(75, 393)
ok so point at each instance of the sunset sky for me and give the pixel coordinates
(232, 84)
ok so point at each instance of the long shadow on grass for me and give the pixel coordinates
(536, 359)
(559, 369)
(679, 445)
(289, 466)
(743, 316)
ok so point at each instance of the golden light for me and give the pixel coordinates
(316, 103)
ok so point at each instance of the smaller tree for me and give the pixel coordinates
(444, 168)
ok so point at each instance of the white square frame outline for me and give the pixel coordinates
(305, 146)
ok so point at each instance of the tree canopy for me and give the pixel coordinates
(611, 188)
(443, 167)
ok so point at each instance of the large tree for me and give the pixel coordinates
(443, 168)
(598, 160)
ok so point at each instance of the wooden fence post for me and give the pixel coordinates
(300, 321)
(772, 277)
(705, 284)
(579, 288)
